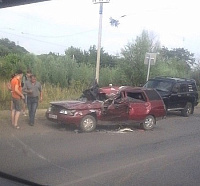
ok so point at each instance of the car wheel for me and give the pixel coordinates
(187, 110)
(88, 123)
(149, 123)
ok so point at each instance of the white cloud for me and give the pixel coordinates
(58, 24)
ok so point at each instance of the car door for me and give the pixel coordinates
(178, 96)
(183, 98)
(138, 106)
(117, 110)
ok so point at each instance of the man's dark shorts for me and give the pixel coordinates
(16, 104)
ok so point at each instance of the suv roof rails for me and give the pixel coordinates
(175, 78)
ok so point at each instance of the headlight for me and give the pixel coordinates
(67, 112)
(63, 111)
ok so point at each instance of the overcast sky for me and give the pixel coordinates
(55, 25)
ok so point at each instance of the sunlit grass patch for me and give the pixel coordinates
(50, 93)
(55, 93)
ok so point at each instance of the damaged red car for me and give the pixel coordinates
(108, 106)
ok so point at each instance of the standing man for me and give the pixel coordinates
(17, 95)
(24, 102)
(33, 89)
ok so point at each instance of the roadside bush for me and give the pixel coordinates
(50, 93)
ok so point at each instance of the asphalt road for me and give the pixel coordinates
(51, 154)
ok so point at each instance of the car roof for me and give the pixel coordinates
(116, 89)
(173, 79)
(109, 90)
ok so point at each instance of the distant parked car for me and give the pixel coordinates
(110, 105)
(178, 94)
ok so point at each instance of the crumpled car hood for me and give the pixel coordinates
(77, 104)
(90, 98)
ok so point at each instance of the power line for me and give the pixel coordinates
(34, 39)
(53, 36)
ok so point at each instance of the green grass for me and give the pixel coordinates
(50, 93)
(55, 93)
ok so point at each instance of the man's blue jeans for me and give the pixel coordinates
(32, 104)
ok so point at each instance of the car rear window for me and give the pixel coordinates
(153, 95)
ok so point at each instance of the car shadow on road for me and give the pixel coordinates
(99, 129)
(172, 114)
(114, 128)
(60, 126)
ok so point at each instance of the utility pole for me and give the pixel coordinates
(100, 2)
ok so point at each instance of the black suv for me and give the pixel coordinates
(178, 94)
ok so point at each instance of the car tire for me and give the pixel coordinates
(188, 110)
(149, 123)
(88, 123)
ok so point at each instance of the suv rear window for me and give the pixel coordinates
(184, 87)
(153, 95)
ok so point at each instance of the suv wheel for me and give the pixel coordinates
(88, 123)
(187, 110)
(149, 123)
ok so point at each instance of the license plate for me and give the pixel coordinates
(52, 116)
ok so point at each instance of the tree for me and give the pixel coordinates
(106, 60)
(10, 64)
(176, 62)
(133, 66)
(7, 47)
(76, 54)
(92, 57)
(196, 73)
(180, 54)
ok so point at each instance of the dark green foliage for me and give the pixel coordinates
(7, 47)
(180, 54)
(176, 62)
(196, 74)
(133, 68)
(76, 69)
(90, 56)
(76, 54)
(10, 64)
